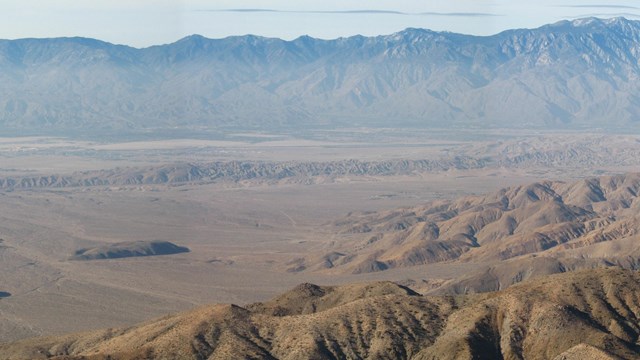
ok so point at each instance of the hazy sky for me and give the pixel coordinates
(146, 22)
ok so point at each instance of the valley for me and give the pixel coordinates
(414, 195)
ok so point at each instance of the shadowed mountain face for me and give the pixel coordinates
(571, 74)
(541, 228)
(582, 315)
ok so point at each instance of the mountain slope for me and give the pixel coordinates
(571, 74)
(589, 314)
(539, 228)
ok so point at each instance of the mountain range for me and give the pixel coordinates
(571, 74)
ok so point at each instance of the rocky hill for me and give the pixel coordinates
(572, 74)
(540, 228)
(582, 315)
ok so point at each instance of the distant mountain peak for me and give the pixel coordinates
(193, 37)
(592, 23)
(588, 21)
(412, 34)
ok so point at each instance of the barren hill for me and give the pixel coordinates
(128, 249)
(235, 171)
(541, 228)
(587, 314)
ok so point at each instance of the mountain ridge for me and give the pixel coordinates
(588, 314)
(578, 74)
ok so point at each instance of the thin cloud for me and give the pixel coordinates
(605, 6)
(391, 12)
(468, 14)
(243, 10)
(347, 12)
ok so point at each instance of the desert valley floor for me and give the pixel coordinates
(247, 234)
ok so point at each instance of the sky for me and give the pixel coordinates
(142, 23)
